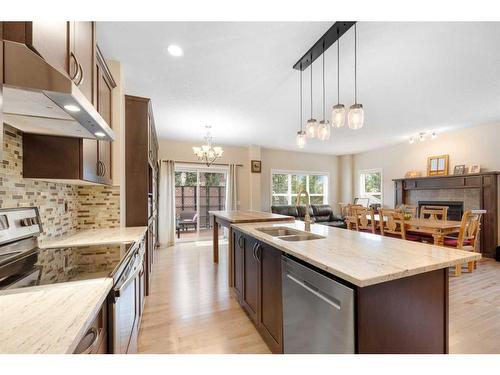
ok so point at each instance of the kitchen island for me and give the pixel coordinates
(393, 294)
(226, 218)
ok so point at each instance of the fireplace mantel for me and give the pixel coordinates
(486, 182)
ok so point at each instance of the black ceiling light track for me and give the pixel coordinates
(330, 37)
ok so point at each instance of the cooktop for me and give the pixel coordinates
(50, 266)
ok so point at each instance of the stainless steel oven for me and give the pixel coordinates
(124, 306)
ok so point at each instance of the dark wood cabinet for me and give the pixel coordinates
(103, 92)
(82, 49)
(257, 285)
(238, 259)
(90, 160)
(271, 309)
(87, 160)
(67, 46)
(43, 157)
(141, 173)
(250, 295)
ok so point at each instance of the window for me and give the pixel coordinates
(285, 185)
(370, 185)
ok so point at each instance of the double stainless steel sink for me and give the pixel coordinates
(289, 234)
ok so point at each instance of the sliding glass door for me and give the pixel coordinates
(198, 190)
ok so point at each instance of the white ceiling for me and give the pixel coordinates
(238, 77)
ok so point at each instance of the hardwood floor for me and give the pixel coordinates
(475, 310)
(190, 309)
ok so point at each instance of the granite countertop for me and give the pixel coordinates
(50, 318)
(92, 237)
(240, 216)
(361, 258)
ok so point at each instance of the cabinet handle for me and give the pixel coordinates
(82, 75)
(97, 335)
(72, 56)
(99, 168)
(240, 242)
(253, 249)
(103, 168)
(258, 252)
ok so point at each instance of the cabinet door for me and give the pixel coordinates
(270, 306)
(47, 38)
(82, 41)
(103, 96)
(91, 169)
(238, 256)
(250, 297)
(105, 161)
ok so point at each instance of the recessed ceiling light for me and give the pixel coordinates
(100, 134)
(72, 108)
(174, 50)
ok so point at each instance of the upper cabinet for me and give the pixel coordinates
(58, 60)
(50, 39)
(67, 46)
(82, 56)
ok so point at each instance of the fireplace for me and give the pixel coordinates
(455, 209)
(476, 191)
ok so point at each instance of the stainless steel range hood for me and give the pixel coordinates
(36, 97)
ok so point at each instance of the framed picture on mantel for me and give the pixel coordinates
(437, 165)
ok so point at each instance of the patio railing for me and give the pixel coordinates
(211, 198)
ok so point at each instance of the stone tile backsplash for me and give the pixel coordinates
(63, 208)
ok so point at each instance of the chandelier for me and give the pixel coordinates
(208, 153)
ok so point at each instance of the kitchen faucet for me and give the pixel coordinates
(307, 217)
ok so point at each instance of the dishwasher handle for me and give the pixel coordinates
(333, 302)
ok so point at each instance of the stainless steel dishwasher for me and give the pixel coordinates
(318, 312)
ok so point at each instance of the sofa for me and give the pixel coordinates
(320, 214)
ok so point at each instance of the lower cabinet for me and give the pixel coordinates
(257, 285)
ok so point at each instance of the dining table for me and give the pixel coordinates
(438, 229)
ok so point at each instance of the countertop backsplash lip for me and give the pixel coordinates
(64, 208)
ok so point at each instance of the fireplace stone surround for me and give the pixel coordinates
(476, 191)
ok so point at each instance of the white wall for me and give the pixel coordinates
(182, 151)
(299, 161)
(475, 145)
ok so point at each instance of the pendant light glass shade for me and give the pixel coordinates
(312, 128)
(338, 115)
(301, 139)
(324, 130)
(356, 116)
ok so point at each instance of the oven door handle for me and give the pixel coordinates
(116, 291)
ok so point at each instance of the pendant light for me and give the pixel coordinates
(324, 125)
(356, 115)
(312, 124)
(301, 134)
(338, 110)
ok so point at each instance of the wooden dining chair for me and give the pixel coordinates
(351, 217)
(467, 236)
(434, 212)
(364, 219)
(408, 209)
(392, 224)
